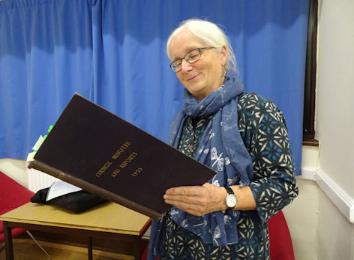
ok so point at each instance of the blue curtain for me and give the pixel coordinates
(113, 52)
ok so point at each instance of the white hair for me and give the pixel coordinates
(211, 34)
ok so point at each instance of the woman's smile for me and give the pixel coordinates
(193, 78)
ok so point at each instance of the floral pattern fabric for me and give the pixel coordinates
(263, 131)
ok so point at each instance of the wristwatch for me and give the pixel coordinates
(230, 199)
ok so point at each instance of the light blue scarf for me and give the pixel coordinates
(221, 148)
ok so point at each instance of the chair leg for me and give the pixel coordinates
(37, 243)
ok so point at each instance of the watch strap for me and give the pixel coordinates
(229, 190)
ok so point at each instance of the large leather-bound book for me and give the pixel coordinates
(96, 150)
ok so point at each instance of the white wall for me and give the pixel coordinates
(335, 125)
(321, 218)
(302, 218)
(335, 232)
(335, 97)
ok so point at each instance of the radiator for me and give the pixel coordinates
(38, 180)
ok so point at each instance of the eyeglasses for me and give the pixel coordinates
(191, 57)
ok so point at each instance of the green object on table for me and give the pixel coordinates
(39, 142)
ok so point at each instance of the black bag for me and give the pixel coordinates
(76, 202)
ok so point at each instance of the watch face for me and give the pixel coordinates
(231, 200)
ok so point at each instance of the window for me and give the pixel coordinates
(310, 77)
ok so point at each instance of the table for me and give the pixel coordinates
(110, 220)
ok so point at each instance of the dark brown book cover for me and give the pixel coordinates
(96, 150)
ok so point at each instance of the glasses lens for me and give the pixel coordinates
(193, 56)
(176, 65)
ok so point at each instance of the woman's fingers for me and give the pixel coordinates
(196, 200)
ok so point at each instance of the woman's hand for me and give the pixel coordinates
(197, 200)
(201, 200)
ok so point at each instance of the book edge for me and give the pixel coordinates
(94, 189)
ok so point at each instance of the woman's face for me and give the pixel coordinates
(203, 76)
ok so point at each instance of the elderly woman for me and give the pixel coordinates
(241, 136)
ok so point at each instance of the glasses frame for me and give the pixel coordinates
(188, 59)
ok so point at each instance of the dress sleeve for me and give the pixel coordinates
(265, 135)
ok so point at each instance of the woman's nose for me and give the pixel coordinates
(185, 66)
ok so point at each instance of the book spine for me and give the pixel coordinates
(93, 189)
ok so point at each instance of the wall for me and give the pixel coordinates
(321, 219)
(335, 120)
(302, 218)
(335, 128)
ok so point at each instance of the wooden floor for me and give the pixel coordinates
(26, 249)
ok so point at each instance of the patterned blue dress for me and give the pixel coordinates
(264, 133)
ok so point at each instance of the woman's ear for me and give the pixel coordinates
(224, 53)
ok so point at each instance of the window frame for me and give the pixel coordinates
(310, 77)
